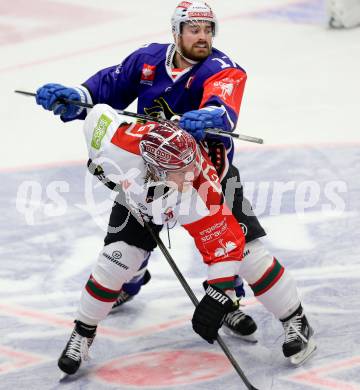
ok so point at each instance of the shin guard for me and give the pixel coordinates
(117, 264)
(272, 285)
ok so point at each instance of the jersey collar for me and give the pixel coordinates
(170, 52)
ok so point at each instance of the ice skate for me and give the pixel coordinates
(77, 348)
(241, 325)
(121, 299)
(126, 297)
(299, 344)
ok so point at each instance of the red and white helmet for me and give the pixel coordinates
(168, 148)
(192, 11)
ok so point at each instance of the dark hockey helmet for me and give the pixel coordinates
(168, 148)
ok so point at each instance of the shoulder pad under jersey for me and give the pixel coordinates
(219, 61)
(157, 50)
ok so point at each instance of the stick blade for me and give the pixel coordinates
(26, 93)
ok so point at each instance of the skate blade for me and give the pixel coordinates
(248, 338)
(301, 357)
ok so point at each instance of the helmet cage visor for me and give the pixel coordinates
(195, 23)
(163, 172)
(168, 148)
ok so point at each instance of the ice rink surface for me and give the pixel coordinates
(302, 97)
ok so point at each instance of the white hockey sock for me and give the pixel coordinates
(272, 285)
(282, 298)
(117, 263)
(96, 302)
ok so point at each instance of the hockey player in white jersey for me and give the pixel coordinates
(161, 174)
(343, 13)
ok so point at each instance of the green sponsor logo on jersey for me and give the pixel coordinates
(100, 131)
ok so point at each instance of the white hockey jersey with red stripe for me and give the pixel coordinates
(114, 145)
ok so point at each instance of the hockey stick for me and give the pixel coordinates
(195, 301)
(152, 119)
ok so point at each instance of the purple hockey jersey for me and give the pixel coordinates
(146, 74)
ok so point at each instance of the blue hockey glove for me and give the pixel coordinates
(49, 97)
(195, 122)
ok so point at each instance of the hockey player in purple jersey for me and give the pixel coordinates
(196, 82)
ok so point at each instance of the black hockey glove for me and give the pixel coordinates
(210, 312)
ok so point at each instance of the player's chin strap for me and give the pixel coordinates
(192, 62)
(178, 50)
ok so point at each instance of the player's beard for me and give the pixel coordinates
(194, 53)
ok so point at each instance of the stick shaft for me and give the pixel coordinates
(241, 137)
(88, 105)
(195, 301)
(152, 119)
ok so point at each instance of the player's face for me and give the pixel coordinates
(195, 41)
(182, 179)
